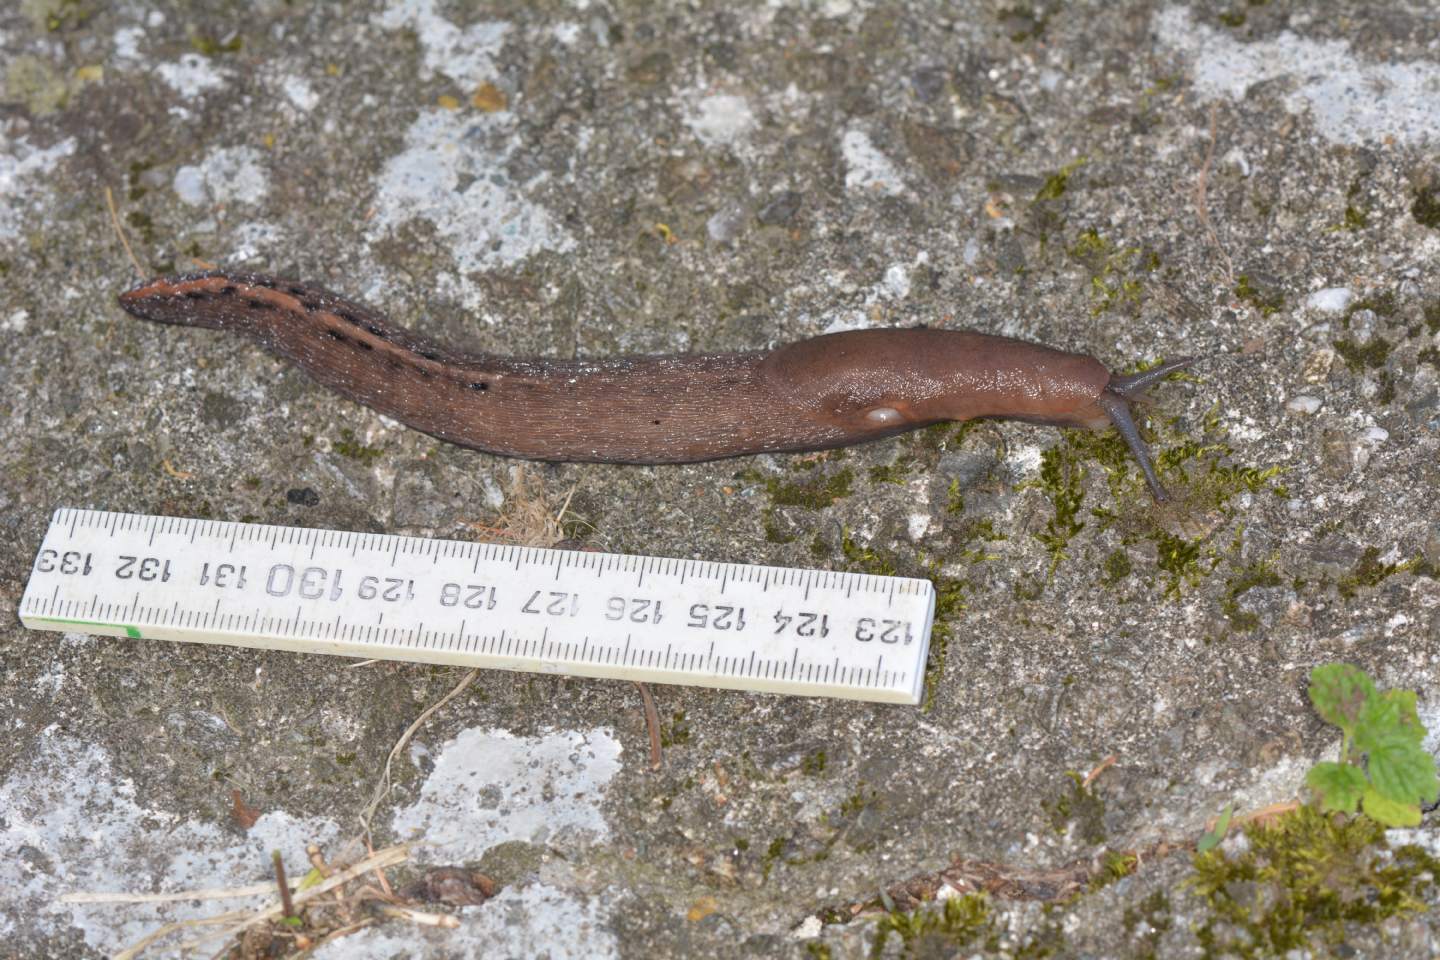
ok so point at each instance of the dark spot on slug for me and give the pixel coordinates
(656, 422)
(297, 291)
(254, 304)
(375, 331)
(479, 385)
(428, 355)
(336, 335)
(310, 305)
(229, 288)
(195, 294)
(348, 317)
(363, 345)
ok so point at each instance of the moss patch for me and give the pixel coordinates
(960, 922)
(1426, 208)
(1303, 879)
(1079, 805)
(1262, 298)
(1359, 357)
(814, 494)
(348, 446)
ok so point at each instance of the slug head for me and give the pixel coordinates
(1115, 401)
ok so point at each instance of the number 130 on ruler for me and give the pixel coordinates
(776, 629)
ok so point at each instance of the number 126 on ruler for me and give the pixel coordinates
(776, 629)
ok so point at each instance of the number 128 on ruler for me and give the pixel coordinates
(776, 629)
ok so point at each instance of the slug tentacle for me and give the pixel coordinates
(829, 391)
(1131, 386)
(1117, 408)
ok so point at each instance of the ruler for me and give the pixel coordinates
(775, 629)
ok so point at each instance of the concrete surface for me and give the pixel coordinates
(589, 178)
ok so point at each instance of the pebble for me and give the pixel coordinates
(1330, 300)
(1303, 403)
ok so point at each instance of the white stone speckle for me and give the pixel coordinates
(971, 253)
(466, 56)
(808, 929)
(917, 525)
(1329, 300)
(127, 43)
(530, 921)
(1375, 435)
(227, 175)
(566, 33)
(1303, 403)
(491, 786)
(19, 162)
(1349, 100)
(299, 92)
(17, 322)
(486, 222)
(191, 75)
(866, 168)
(721, 120)
(74, 823)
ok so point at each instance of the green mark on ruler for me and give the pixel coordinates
(132, 632)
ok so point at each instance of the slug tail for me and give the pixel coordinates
(1117, 408)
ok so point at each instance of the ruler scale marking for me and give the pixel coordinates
(655, 619)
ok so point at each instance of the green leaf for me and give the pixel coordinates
(1407, 715)
(1339, 692)
(1212, 839)
(1339, 786)
(1384, 810)
(1403, 772)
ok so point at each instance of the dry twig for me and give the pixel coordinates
(1201, 204)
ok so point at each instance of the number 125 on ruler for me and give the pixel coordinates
(777, 629)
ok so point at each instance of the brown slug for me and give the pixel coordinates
(829, 391)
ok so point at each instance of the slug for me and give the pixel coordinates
(829, 391)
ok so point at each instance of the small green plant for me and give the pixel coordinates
(1383, 729)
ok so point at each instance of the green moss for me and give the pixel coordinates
(865, 559)
(1055, 184)
(1358, 357)
(892, 472)
(143, 225)
(348, 446)
(1426, 208)
(1370, 572)
(1266, 301)
(928, 931)
(1429, 355)
(1115, 865)
(773, 533)
(1432, 317)
(209, 46)
(1232, 18)
(1258, 574)
(1355, 218)
(1078, 805)
(1060, 478)
(1303, 879)
(814, 764)
(1112, 278)
(1180, 559)
(1116, 567)
(676, 732)
(820, 492)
